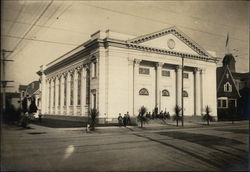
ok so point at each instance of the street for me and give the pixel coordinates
(223, 146)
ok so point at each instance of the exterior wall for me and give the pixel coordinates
(117, 82)
(118, 79)
(148, 82)
(169, 83)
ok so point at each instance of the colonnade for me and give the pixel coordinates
(65, 93)
(198, 87)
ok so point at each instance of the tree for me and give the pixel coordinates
(33, 107)
(141, 117)
(177, 115)
(93, 114)
(207, 117)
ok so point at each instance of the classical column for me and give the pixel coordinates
(130, 85)
(197, 91)
(158, 85)
(202, 104)
(83, 92)
(43, 91)
(52, 82)
(178, 84)
(62, 95)
(56, 94)
(135, 89)
(47, 97)
(75, 91)
(68, 94)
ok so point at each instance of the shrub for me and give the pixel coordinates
(207, 117)
(177, 115)
(141, 117)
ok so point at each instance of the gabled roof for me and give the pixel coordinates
(23, 87)
(32, 87)
(178, 33)
(226, 69)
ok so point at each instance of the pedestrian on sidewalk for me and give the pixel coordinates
(128, 119)
(125, 120)
(120, 120)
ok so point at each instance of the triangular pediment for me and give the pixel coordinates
(171, 39)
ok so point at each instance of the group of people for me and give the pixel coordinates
(161, 115)
(125, 120)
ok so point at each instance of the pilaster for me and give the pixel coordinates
(75, 90)
(197, 92)
(135, 75)
(158, 85)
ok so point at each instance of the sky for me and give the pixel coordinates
(40, 31)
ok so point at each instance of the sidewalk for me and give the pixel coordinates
(170, 125)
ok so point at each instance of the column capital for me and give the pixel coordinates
(178, 67)
(137, 61)
(159, 64)
(130, 60)
(197, 69)
(202, 71)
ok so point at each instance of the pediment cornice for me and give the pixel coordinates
(175, 31)
(171, 53)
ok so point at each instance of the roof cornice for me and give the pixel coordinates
(171, 53)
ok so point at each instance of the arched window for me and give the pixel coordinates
(165, 93)
(227, 87)
(185, 93)
(143, 92)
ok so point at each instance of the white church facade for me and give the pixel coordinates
(118, 73)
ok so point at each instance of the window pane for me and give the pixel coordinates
(224, 103)
(185, 75)
(165, 73)
(144, 71)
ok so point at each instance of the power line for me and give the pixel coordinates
(48, 27)
(40, 16)
(159, 21)
(198, 18)
(39, 40)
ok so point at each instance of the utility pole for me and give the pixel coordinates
(182, 105)
(2, 79)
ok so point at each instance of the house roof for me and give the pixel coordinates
(241, 76)
(32, 87)
(223, 71)
(22, 87)
(12, 95)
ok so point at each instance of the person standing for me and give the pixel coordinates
(125, 120)
(128, 119)
(120, 120)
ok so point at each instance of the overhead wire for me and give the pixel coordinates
(159, 21)
(27, 32)
(39, 40)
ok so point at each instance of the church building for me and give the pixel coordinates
(118, 73)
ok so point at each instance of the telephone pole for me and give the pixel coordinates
(3, 81)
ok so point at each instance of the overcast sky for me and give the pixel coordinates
(41, 31)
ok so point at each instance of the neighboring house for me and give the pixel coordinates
(31, 91)
(232, 91)
(22, 90)
(119, 73)
(13, 98)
